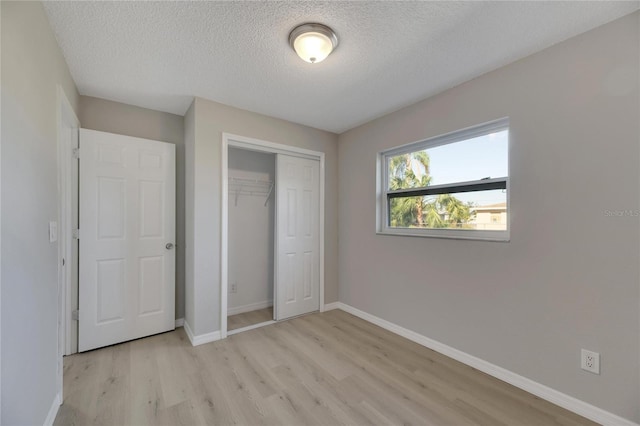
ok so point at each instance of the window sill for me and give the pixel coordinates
(454, 234)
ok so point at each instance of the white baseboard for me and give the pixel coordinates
(332, 306)
(556, 397)
(250, 307)
(200, 339)
(179, 322)
(53, 411)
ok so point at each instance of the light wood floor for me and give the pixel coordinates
(320, 369)
(237, 321)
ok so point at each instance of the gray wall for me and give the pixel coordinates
(251, 230)
(32, 67)
(569, 278)
(189, 213)
(204, 131)
(123, 119)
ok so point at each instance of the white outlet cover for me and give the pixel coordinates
(590, 361)
(53, 231)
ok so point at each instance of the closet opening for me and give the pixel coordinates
(251, 225)
(272, 236)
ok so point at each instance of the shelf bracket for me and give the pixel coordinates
(268, 194)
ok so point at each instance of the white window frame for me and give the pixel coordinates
(384, 194)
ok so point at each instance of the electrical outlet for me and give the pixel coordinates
(53, 231)
(234, 287)
(590, 361)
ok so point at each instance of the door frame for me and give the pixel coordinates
(252, 144)
(66, 116)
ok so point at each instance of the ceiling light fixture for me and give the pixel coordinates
(313, 42)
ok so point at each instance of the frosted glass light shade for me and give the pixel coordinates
(312, 47)
(313, 42)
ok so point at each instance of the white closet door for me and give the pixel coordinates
(298, 242)
(127, 232)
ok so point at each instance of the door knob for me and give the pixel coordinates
(169, 246)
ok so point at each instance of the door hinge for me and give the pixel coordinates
(75, 153)
(75, 315)
(76, 234)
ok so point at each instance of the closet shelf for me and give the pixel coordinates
(252, 187)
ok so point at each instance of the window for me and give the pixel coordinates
(450, 186)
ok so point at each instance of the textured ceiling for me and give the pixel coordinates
(160, 54)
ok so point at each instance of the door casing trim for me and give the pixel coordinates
(65, 114)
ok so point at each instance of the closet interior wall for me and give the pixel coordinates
(251, 230)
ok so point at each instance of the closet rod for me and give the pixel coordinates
(233, 181)
(246, 186)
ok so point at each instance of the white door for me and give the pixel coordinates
(127, 232)
(297, 241)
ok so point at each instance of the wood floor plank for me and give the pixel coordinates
(211, 404)
(181, 414)
(307, 371)
(309, 344)
(391, 376)
(147, 399)
(244, 399)
(320, 369)
(245, 319)
(252, 372)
